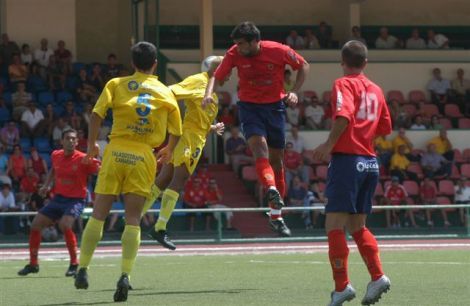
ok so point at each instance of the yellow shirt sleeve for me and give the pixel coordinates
(191, 88)
(105, 101)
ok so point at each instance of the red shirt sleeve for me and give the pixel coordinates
(292, 58)
(384, 127)
(94, 166)
(342, 101)
(226, 66)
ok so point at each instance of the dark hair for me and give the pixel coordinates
(112, 55)
(68, 131)
(246, 30)
(24, 46)
(144, 55)
(354, 54)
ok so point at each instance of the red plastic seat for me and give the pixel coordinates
(465, 170)
(455, 175)
(379, 191)
(429, 110)
(464, 123)
(452, 111)
(411, 187)
(444, 201)
(321, 172)
(458, 156)
(416, 168)
(416, 96)
(446, 123)
(446, 187)
(396, 95)
(410, 109)
(466, 155)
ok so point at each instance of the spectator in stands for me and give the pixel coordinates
(71, 116)
(49, 119)
(8, 48)
(59, 128)
(20, 100)
(82, 141)
(36, 82)
(311, 41)
(324, 36)
(86, 89)
(435, 164)
(439, 89)
(462, 196)
(87, 113)
(386, 41)
(17, 71)
(298, 143)
(288, 83)
(29, 184)
(443, 145)
(294, 165)
(428, 193)
(96, 78)
(402, 139)
(32, 120)
(42, 56)
(314, 113)
(38, 164)
(294, 40)
(4, 178)
(418, 123)
(356, 35)
(293, 115)
(395, 194)
(113, 69)
(226, 117)
(56, 73)
(26, 55)
(63, 57)
(384, 150)
(235, 147)
(435, 124)
(297, 193)
(313, 198)
(16, 166)
(415, 41)
(437, 41)
(7, 199)
(461, 90)
(194, 197)
(9, 136)
(399, 165)
(400, 118)
(214, 196)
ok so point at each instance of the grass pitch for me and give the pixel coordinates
(428, 277)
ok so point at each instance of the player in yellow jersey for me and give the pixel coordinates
(197, 123)
(143, 111)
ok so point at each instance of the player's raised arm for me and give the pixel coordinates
(219, 70)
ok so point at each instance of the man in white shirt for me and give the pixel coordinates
(418, 124)
(296, 140)
(385, 41)
(437, 41)
(295, 41)
(461, 90)
(415, 41)
(32, 121)
(42, 55)
(314, 114)
(462, 196)
(7, 199)
(439, 89)
(293, 115)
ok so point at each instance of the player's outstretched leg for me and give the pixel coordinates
(154, 194)
(159, 233)
(34, 242)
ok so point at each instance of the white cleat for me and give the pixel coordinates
(375, 290)
(338, 298)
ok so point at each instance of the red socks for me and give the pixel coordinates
(338, 252)
(281, 182)
(369, 250)
(265, 172)
(71, 242)
(34, 242)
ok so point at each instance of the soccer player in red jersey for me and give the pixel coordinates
(360, 114)
(260, 65)
(68, 181)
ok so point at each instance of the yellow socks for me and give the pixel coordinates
(154, 193)
(90, 238)
(130, 245)
(170, 197)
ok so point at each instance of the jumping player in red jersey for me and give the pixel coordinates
(360, 114)
(68, 178)
(260, 65)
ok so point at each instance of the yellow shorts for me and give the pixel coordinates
(188, 150)
(127, 167)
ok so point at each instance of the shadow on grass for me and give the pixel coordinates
(30, 278)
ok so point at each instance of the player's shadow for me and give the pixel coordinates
(222, 291)
(31, 278)
(78, 303)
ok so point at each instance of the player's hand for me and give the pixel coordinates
(322, 152)
(206, 101)
(219, 128)
(92, 152)
(164, 155)
(291, 98)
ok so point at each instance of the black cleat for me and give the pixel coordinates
(162, 237)
(28, 269)
(280, 227)
(72, 270)
(81, 279)
(122, 288)
(272, 196)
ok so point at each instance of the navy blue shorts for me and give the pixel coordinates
(267, 120)
(61, 206)
(351, 183)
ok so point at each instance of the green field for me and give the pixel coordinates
(418, 278)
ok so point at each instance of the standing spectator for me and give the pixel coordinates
(314, 113)
(356, 35)
(462, 196)
(17, 71)
(63, 57)
(10, 136)
(415, 41)
(113, 69)
(214, 196)
(324, 36)
(461, 90)
(435, 164)
(26, 55)
(314, 198)
(294, 40)
(395, 194)
(37, 164)
(298, 143)
(439, 89)
(20, 100)
(194, 197)
(235, 147)
(60, 127)
(42, 56)
(418, 123)
(56, 74)
(288, 83)
(293, 115)
(437, 41)
(428, 193)
(297, 193)
(16, 166)
(32, 121)
(443, 145)
(294, 165)
(384, 149)
(7, 49)
(311, 41)
(386, 41)
(399, 165)
(4, 178)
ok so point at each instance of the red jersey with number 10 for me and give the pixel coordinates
(362, 102)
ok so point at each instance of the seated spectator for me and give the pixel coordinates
(16, 166)
(96, 78)
(293, 115)
(324, 36)
(297, 193)
(399, 166)
(235, 147)
(439, 89)
(395, 194)
(8, 48)
(29, 183)
(49, 119)
(314, 113)
(37, 164)
(20, 100)
(386, 41)
(428, 193)
(461, 90)
(63, 57)
(82, 141)
(462, 196)
(226, 117)
(17, 71)
(26, 55)
(9, 136)
(42, 56)
(418, 123)
(56, 74)
(311, 41)
(32, 121)
(214, 196)
(71, 116)
(384, 150)
(443, 145)
(87, 113)
(59, 128)
(194, 197)
(437, 41)
(415, 41)
(400, 118)
(4, 178)
(435, 164)
(86, 90)
(314, 197)
(294, 165)
(435, 124)
(288, 83)
(204, 175)
(356, 35)
(298, 143)
(112, 69)
(7, 199)
(294, 40)
(35, 80)
(402, 139)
